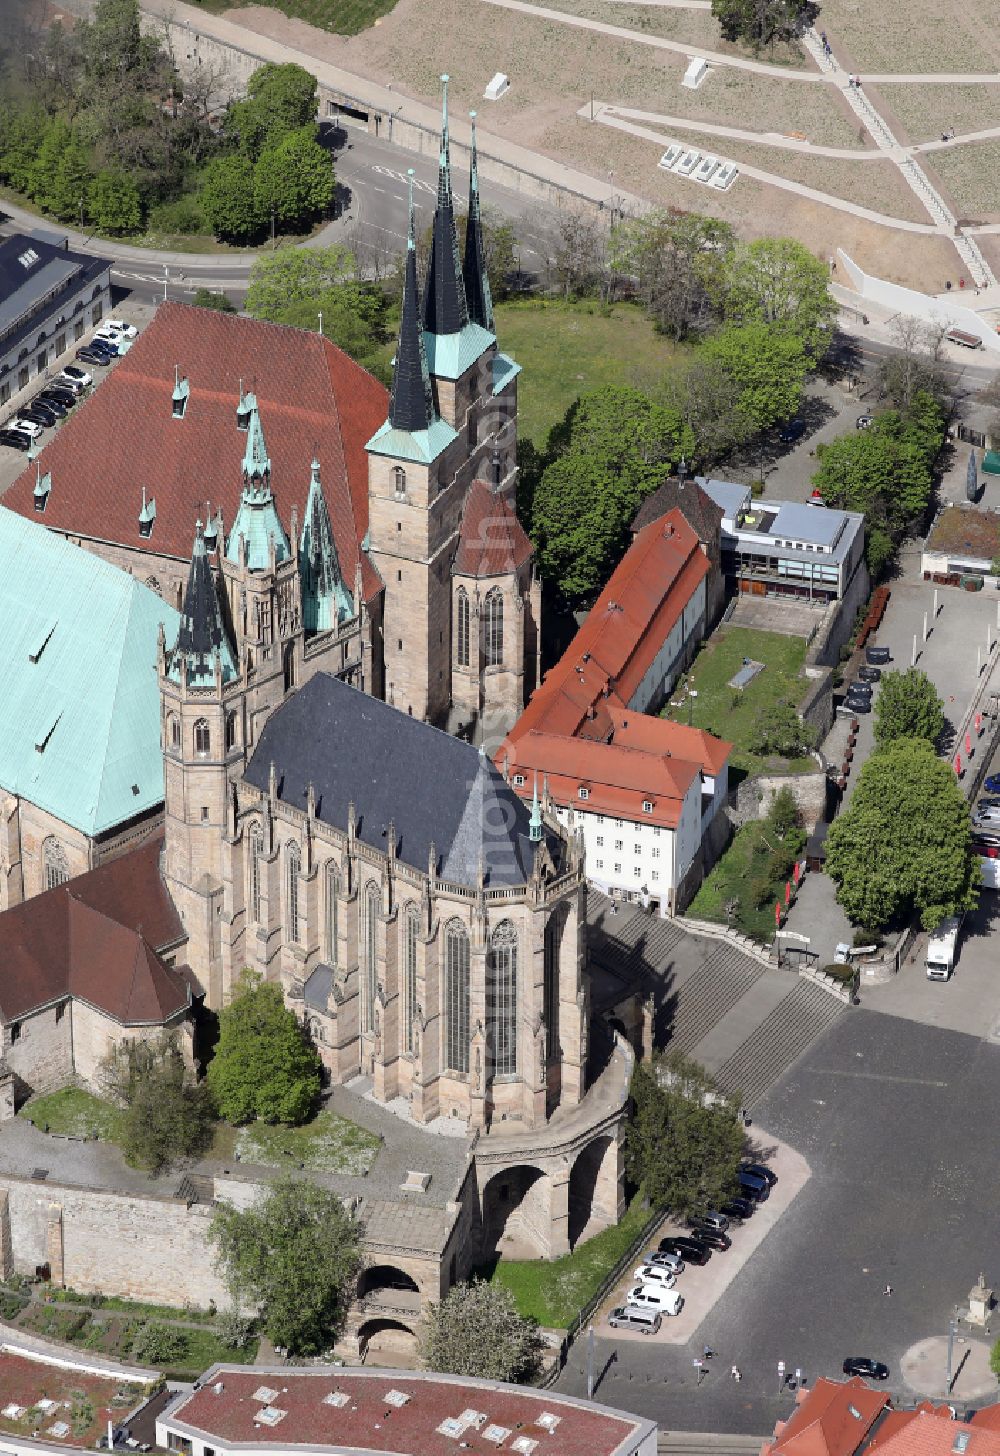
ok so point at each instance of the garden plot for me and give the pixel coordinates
(927, 111)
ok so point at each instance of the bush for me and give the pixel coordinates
(185, 217)
(236, 1330)
(157, 1344)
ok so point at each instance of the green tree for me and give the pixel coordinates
(780, 730)
(995, 1359)
(477, 1332)
(46, 167)
(280, 99)
(165, 1113)
(229, 201)
(22, 131)
(783, 813)
(679, 262)
(908, 706)
(612, 449)
(263, 1065)
(207, 298)
(113, 203)
(355, 318)
(294, 275)
(293, 180)
(777, 281)
(295, 1254)
(767, 369)
(684, 1141)
(903, 845)
(759, 22)
(158, 1345)
(71, 184)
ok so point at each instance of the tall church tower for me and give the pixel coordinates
(453, 405)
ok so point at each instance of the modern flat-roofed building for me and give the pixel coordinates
(49, 297)
(783, 548)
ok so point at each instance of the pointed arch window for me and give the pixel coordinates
(293, 867)
(462, 628)
(55, 866)
(289, 667)
(331, 913)
(550, 1002)
(202, 737)
(255, 855)
(493, 615)
(399, 482)
(369, 981)
(230, 732)
(409, 979)
(501, 991)
(456, 998)
(174, 731)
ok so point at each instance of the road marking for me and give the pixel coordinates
(418, 186)
(880, 1077)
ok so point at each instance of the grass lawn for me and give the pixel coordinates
(739, 870)
(732, 714)
(329, 1143)
(554, 1293)
(568, 349)
(343, 17)
(72, 1112)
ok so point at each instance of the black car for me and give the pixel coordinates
(870, 1369)
(99, 346)
(861, 689)
(877, 656)
(858, 705)
(741, 1208)
(714, 1239)
(61, 392)
(56, 406)
(869, 674)
(38, 413)
(692, 1251)
(791, 430)
(16, 439)
(761, 1170)
(92, 356)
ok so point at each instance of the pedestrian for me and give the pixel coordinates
(709, 1352)
(736, 1373)
(887, 1289)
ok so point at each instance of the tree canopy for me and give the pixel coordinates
(679, 262)
(299, 286)
(685, 1139)
(294, 275)
(759, 22)
(903, 844)
(476, 1331)
(280, 99)
(264, 1067)
(612, 449)
(908, 706)
(164, 1113)
(295, 1254)
(766, 368)
(779, 282)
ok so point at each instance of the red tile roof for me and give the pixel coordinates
(988, 1417)
(929, 1433)
(618, 780)
(660, 735)
(368, 1421)
(96, 937)
(492, 541)
(831, 1419)
(313, 399)
(894, 1420)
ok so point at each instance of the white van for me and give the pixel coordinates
(646, 1321)
(653, 1296)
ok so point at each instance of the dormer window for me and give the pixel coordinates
(647, 806)
(43, 485)
(583, 793)
(519, 781)
(179, 398)
(147, 516)
(243, 411)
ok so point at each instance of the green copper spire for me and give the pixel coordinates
(257, 518)
(535, 822)
(325, 598)
(256, 465)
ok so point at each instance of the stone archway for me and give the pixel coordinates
(385, 1341)
(385, 1278)
(594, 1189)
(517, 1214)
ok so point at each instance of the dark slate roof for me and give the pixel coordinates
(201, 630)
(695, 505)
(410, 406)
(316, 991)
(395, 769)
(445, 307)
(30, 292)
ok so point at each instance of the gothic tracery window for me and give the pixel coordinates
(502, 993)
(462, 628)
(456, 995)
(331, 913)
(293, 867)
(369, 980)
(55, 866)
(409, 977)
(493, 616)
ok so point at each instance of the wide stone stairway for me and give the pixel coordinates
(743, 1021)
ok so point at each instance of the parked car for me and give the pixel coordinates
(741, 1208)
(59, 389)
(842, 954)
(870, 1369)
(646, 1321)
(983, 840)
(27, 427)
(990, 803)
(673, 1262)
(16, 439)
(714, 1238)
(869, 674)
(710, 1219)
(57, 406)
(129, 330)
(104, 347)
(38, 411)
(654, 1274)
(754, 1187)
(864, 422)
(690, 1249)
(92, 356)
(992, 784)
(858, 705)
(791, 431)
(761, 1170)
(74, 378)
(877, 656)
(648, 1296)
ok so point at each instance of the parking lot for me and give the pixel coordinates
(703, 1285)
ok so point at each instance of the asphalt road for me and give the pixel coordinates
(896, 1121)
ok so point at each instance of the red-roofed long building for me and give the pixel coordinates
(642, 790)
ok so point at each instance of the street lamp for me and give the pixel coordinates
(952, 1332)
(166, 279)
(590, 1362)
